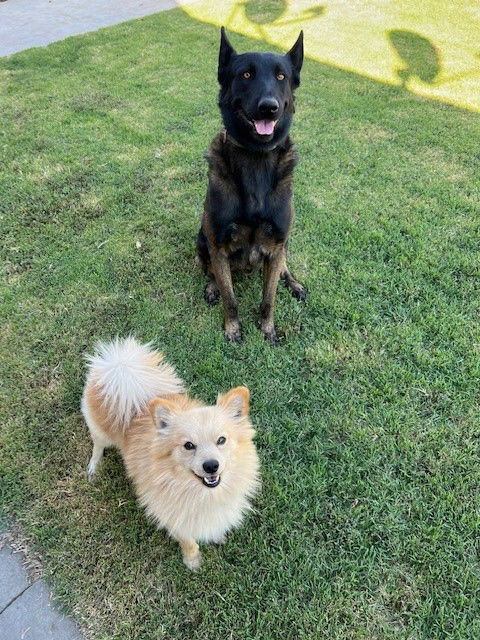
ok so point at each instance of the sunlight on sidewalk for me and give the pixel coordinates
(430, 48)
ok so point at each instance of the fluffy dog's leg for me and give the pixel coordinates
(98, 449)
(191, 554)
(223, 277)
(100, 441)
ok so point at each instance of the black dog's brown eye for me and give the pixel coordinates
(280, 76)
(246, 75)
(189, 446)
(221, 440)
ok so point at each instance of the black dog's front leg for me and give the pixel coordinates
(221, 270)
(272, 267)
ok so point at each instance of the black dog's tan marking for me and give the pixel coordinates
(248, 208)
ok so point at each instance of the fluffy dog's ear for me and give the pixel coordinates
(295, 56)
(225, 55)
(161, 411)
(236, 402)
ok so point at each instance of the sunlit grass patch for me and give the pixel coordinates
(428, 48)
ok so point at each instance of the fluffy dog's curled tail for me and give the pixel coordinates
(126, 375)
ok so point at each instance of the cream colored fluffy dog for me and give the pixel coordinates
(194, 467)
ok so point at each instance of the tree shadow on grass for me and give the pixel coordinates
(421, 59)
(272, 14)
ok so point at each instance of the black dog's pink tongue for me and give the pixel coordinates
(264, 127)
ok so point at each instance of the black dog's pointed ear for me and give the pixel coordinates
(225, 54)
(296, 58)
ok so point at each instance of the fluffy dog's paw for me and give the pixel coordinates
(193, 562)
(90, 472)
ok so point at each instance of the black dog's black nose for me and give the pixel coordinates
(210, 466)
(268, 106)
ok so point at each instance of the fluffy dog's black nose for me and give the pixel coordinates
(268, 106)
(210, 466)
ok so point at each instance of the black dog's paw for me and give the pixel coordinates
(211, 295)
(233, 334)
(234, 337)
(299, 293)
(273, 336)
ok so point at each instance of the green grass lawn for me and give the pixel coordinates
(368, 422)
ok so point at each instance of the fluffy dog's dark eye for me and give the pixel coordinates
(189, 446)
(221, 440)
(246, 75)
(280, 76)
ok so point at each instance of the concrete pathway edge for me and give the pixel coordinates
(25, 24)
(27, 611)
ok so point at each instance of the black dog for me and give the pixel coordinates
(248, 208)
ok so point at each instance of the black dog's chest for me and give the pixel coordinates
(248, 203)
(255, 184)
(254, 229)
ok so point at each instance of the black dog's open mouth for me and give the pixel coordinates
(261, 127)
(264, 127)
(209, 481)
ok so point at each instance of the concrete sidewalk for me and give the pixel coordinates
(27, 23)
(26, 609)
